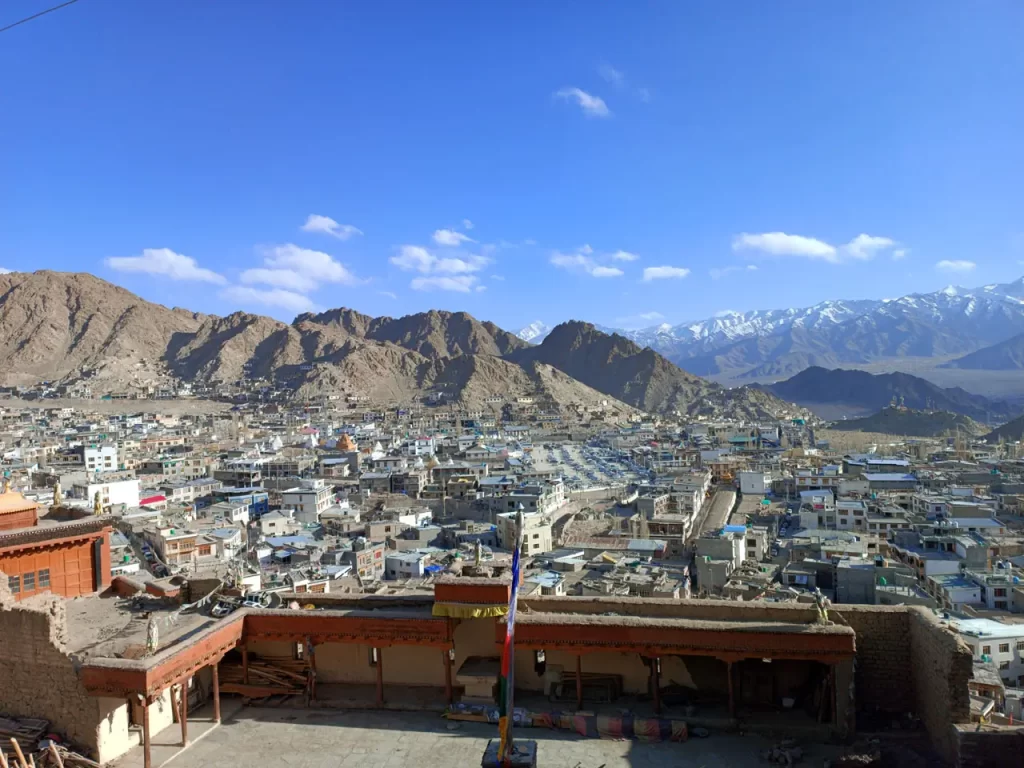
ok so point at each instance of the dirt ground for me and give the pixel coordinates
(171, 407)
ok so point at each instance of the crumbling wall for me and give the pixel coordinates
(941, 666)
(37, 676)
(883, 657)
(981, 747)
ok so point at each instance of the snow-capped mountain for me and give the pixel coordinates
(535, 332)
(780, 342)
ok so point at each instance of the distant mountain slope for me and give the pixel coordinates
(640, 376)
(858, 391)
(534, 332)
(1010, 432)
(903, 421)
(56, 324)
(69, 328)
(782, 342)
(1005, 356)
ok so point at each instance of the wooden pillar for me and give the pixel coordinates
(311, 655)
(380, 677)
(183, 703)
(147, 760)
(656, 680)
(579, 681)
(732, 692)
(449, 695)
(245, 664)
(216, 691)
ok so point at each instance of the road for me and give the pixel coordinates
(715, 513)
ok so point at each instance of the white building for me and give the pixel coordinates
(405, 565)
(99, 458)
(115, 492)
(755, 483)
(1002, 643)
(309, 500)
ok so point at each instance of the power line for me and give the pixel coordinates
(37, 15)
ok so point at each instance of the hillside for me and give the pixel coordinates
(640, 376)
(1005, 356)
(67, 328)
(57, 324)
(834, 393)
(1010, 432)
(904, 421)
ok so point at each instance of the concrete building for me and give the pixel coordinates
(309, 500)
(112, 493)
(754, 483)
(536, 532)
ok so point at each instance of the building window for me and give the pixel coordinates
(28, 581)
(1004, 647)
(1020, 645)
(1000, 605)
(374, 657)
(14, 584)
(44, 578)
(1004, 665)
(986, 650)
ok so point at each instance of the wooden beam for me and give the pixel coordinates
(311, 660)
(380, 677)
(245, 664)
(656, 682)
(183, 703)
(449, 695)
(147, 758)
(579, 682)
(216, 691)
(732, 693)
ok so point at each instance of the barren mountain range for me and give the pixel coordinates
(71, 327)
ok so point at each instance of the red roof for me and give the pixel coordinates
(152, 500)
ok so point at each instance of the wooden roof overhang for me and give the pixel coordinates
(726, 640)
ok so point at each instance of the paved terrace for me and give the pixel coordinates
(318, 739)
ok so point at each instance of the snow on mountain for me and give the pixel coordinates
(953, 320)
(535, 332)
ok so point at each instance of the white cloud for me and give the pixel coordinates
(388, 294)
(529, 241)
(664, 273)
(165, 263)
(862, 247)
(451, 237)
(497, 277)
(416, 258)
(582, 261)
(467, 224)
(300, 269)
(955, 265)
(481, 288)
(459, 283)
(865, 246)
(612, 75)
(5, 271)
(644, 94)
(328, 226)
(900, 253)
(781, 244)
(726, 312)
(592, 106)
(719, 272)
(271, 297)
(624, 256)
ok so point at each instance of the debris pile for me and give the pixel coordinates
(786, 752)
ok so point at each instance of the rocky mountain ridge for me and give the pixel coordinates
(72, 328)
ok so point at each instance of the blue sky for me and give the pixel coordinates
(623, 163)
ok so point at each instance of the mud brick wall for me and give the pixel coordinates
(981, 749)
(882, 673)
(942, 665)
(37, 678)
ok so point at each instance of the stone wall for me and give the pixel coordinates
(883, 657)
(942, 665)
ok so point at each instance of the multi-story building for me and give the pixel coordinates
(112, 493)
(536, 532)
(309, 500)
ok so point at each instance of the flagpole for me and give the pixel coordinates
(506, 707)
